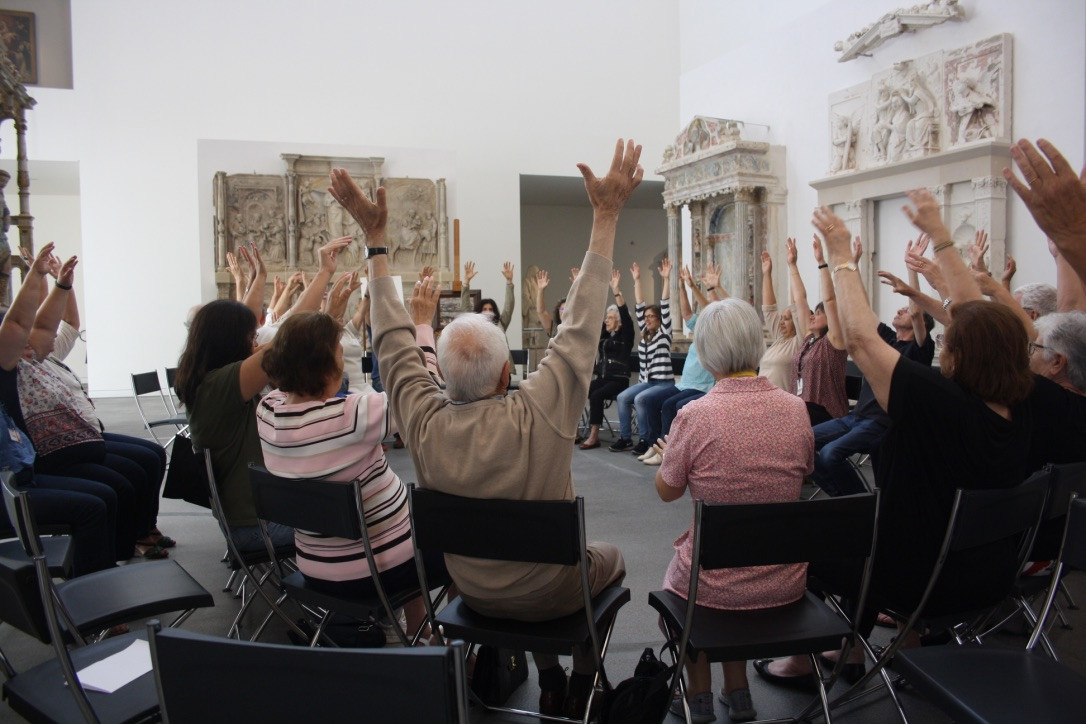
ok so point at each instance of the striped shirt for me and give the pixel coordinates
(339, 439)
(654, 354)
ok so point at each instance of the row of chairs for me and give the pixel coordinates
(158, 406)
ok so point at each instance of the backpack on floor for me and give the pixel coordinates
(641, 699)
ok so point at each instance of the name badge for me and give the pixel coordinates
(799, 386)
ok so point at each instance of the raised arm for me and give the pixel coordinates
(710, 277)
(294, 283)
(926, 216)
(875, 358)
(510, 298)
(254, 294)
(50, 312)
(1055, 196)
(923, 302)
(978, 250)
(635, 272)
(310, 300)
(665, 279)
(542, 279)
(769, 297)
(238, 274)
(1070, 290)
(834, 333)
(465, 288)
(802, 313)
(616, 294)
(15, 329)
(998, 293)
(684, 300)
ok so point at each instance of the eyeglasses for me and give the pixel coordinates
(1033, 347)
(651, 316)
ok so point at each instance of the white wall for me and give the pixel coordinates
(781, 68)
(501, 88)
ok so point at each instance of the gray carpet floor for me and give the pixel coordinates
(622, 508)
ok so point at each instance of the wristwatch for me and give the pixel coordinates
(372, 251)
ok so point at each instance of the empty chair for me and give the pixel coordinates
(987, 684)
(203, 678)
(145, 384)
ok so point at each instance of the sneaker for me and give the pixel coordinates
(654, 459)
(701, 707)
(740, 707)
(641, 447)
(621, 445)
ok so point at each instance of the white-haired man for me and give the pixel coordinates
(475, 440)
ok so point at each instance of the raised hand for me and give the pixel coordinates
(234, 269)
(426, 271)
(926, 267)
(834, 231)
(857, 250)
(423, 302)
(767, 263)
(684, 276)
(371, 216)
(989, 287)
(574, 272)
(616, 277)
(257, 261)
(977, 251)
(635, 271)
(609, 194)
(278, 287)
(54, 266)
(927, 215)
(817, 246)
(710, 276)
(507, 272)
(469, 271)
(40, 263)
(542, 279)
(1008, 270)
(330, 251)
(897, 285)
(67, 272)
(665, 268)
(1053, 193)
(790, 253)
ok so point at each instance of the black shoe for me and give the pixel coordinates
(621, 445)
(851, 673)
(804, 682)
(641, 447)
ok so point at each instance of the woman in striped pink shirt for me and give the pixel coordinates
(307, 430)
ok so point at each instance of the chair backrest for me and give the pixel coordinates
(18, 510)
(1066, 479)
(758, 534)
(987, 516)
(1074, 543)
(316, 506)
(854, 380)
(205, 678)
(145, 382)
(20, 600)
(534, 531)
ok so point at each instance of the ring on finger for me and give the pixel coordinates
(831, 227)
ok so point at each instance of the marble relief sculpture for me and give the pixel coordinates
(893, 24)
(922, 107)
(289, 217)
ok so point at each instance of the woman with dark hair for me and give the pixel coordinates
(219, 378)
(550, 322)
(966, 425)
(498, 315)
(307, 430)
(818, 365)
(612, 373)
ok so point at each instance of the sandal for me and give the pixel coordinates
(151, 552)
(159, 539)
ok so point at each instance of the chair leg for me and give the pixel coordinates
(1071, 605)
(822, 696)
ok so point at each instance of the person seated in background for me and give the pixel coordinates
(818, 366)
(219, 379)
(525, 452)
(745, 441)
(87, 507)
(966, 425)
(308, 430)
(663, 403)
(781, 326)
(1037, 299)
(654, 363)
(487, 306)
(612, 371)
(862, 430)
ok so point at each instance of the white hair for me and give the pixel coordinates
(728, 336)
(1039, 297)
(1065, 333)
(471, 353)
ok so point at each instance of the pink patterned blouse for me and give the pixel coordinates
(746, 441)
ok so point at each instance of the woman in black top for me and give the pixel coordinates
(612, 362)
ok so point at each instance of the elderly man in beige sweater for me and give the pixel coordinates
(475, 440)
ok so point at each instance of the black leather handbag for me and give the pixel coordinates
(498, 673)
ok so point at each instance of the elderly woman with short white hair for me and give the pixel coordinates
(745, 441)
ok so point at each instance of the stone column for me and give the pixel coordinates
(674, 246)
(292, 219)
(990, 197)
(219, 190)
(442, 228)
(740, 284)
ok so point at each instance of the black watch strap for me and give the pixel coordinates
(375, 250)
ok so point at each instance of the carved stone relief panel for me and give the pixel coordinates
(255, 213)
(412, 223)
(924, 106)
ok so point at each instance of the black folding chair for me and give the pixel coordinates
(55, 613)
(145, 384)
(759, 534)
(529, 531)
(986, 684)
(520, 357)
(255, 568)
(203, 679)
(334, 509)
(978, 518)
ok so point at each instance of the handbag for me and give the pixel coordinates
(186, 476)
(643, 698)
(498, 673)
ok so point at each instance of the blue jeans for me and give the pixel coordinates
(248, 538)
(631, 396)
(673, 404)
(836, 441)
(653, 402)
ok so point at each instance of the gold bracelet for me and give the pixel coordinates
(846, 265)
(939, 247)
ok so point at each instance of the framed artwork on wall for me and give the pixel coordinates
(448, 307)
(20, 38)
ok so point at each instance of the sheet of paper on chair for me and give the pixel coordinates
(113, 672)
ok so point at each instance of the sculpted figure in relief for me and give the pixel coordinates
(975, 109)
(844, 143)
(880, 133)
